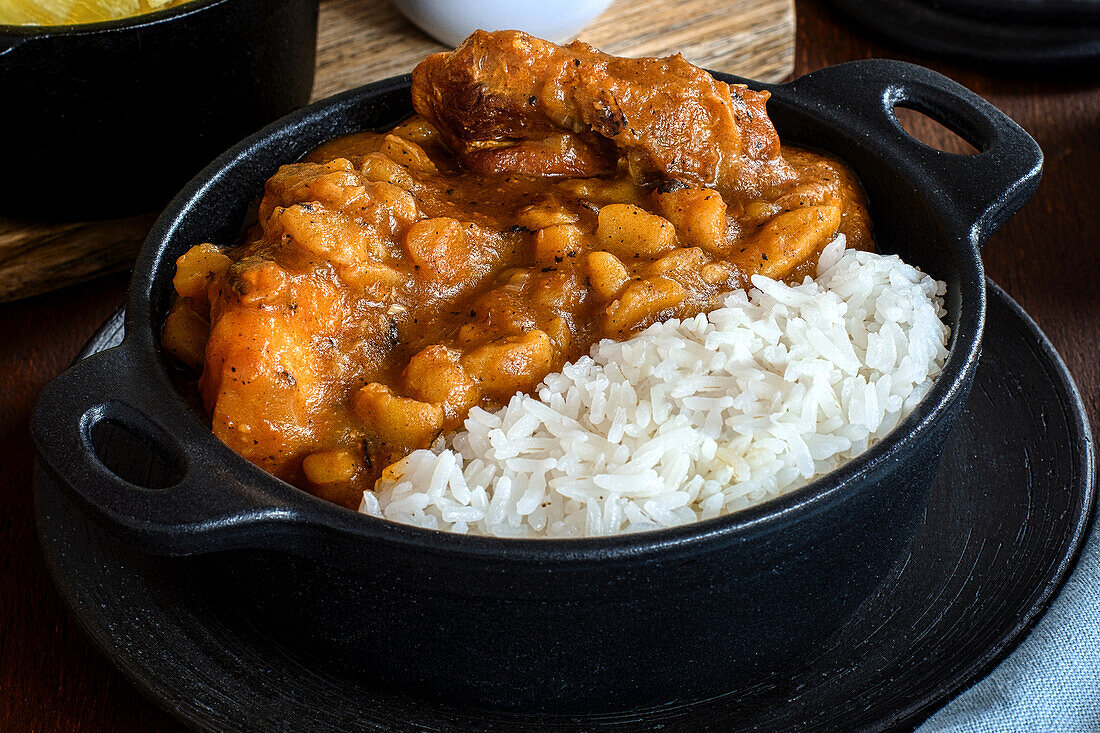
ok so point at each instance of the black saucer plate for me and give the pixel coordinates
(1009, 512)
(1020, 34)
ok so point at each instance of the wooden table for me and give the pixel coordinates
(1047, 257)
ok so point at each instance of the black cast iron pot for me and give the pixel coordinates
(109, 119)
(558, 624)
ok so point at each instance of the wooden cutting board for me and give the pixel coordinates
(360, 41)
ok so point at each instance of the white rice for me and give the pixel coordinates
(690, 419)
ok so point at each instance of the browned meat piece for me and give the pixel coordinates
(506, 90)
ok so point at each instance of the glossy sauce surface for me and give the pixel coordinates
(397, 279)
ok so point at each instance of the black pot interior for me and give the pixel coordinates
(906, 217)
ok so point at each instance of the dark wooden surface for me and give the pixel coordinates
(1047, 257)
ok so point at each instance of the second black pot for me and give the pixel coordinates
(109, 119)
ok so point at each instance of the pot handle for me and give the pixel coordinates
(9, 44)
(195, 501)
(979, 192)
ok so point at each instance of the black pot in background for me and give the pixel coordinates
(109, 119)
(563, 625)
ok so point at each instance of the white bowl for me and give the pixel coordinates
(450, 21)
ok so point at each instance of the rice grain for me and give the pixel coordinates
(693, 418)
